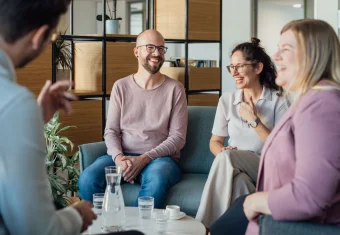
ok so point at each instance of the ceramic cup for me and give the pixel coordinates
(174, 211)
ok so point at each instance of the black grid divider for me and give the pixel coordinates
(150, 8)
(104, 70)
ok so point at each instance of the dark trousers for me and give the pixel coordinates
(233, 221)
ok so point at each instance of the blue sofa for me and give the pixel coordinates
(196, 160)
(268, 226)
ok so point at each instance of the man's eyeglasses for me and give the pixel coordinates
(150, 48)
(239, 68)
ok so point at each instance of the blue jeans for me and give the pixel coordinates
(156, 178)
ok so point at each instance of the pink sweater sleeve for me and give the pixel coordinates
(317, 136)
(177, 128)
(112, 134)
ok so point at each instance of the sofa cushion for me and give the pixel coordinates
(196, 156)
(269, 226)
(186, 194)
(88, 153)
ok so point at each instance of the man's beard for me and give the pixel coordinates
(28, 58)
(153, 69)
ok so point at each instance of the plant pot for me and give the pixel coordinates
(112, 26)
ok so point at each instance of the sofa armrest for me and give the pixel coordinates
(88, 153)
(269, 226)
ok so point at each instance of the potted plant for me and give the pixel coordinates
(111, 21)
(62, 169)
(63, 57)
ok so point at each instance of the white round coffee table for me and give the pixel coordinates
(184, 226)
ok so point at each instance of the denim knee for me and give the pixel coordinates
(89, 183)
(92, 179)
(158, 183)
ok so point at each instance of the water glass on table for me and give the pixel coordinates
(161, 217)
(98, 199)
(145, 205)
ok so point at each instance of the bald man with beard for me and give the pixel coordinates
(145, 129)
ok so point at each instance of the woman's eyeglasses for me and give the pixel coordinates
(239, 68)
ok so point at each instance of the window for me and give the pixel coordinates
(136, 11)
(272, 15)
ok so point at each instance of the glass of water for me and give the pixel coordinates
(161, 217)
(145, 205)
(98, 199)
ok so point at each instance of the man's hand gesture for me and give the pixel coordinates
(54, 97)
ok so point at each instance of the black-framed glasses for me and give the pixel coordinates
(239, 68)
(150, 48)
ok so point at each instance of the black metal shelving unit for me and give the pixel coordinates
(150, 9)
(188, 41)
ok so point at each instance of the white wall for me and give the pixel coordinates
(327, 10)
(271, 18)
(237, 28)
(84, 17)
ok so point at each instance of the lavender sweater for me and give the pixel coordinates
(152, 122)
(300, 162)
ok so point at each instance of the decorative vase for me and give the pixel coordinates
(112, 26)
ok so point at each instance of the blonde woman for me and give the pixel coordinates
(299, 173)
(246, 116)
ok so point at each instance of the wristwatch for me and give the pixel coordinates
(254, 123)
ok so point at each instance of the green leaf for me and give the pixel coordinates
(75, 157)
(63, 162)
(65, 128)
(57, 161)
(100, 17)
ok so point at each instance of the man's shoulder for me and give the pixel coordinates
(121, 85)
(123, 81)
(173, 83)
(15, 97)
(10, 91)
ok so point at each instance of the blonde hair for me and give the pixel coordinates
(318, 51)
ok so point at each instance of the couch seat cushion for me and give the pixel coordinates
(186, 194)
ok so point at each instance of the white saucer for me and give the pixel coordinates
(180, 216)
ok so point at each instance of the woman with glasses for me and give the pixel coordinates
(246, 116)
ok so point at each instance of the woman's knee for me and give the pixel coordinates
(222, 156)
